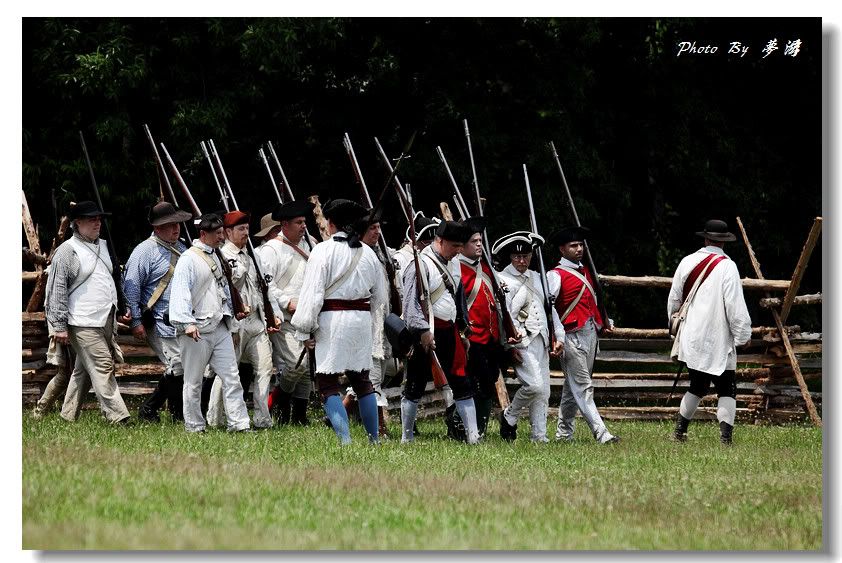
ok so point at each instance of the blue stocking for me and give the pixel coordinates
(338, 418)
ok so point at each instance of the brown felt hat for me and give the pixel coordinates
(266, 225)
(164, 212)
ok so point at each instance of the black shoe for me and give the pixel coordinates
(326, 421)
(243, 431)
(283, 408)
(299, 412)
(725, 433)
(455, 426)
(128, 421)
(147, 416)
(612, 440)
(507, 431)
(681, 424)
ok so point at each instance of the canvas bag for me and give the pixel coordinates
(677, 319)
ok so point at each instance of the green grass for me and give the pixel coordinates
(92, 486)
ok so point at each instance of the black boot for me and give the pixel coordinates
(148, 411)
(299, 411)
(455, 426)
(483, 406)
(507, 431)
(681, 424)
(175, 398)
(725, 431)
(283, 407)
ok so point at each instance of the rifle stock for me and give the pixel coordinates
(122, 306)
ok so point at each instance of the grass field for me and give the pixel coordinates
(91, 486)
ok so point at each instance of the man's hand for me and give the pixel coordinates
(276, 328)
(192, 332)
(293, 303)
(514, 339)
(125, 318)
(62, 337)
(139, 332)
(428, 341)
(310, 343)
(517, 357)
(466, 343)
(241, 316)
(558, 349)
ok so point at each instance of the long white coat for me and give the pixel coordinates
(343, 338)
(717, 320)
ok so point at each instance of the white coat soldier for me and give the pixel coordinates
(571, 287)
(81, 310)
(531, 356)
(341, 300)
(203, 317)
(284, 259)
(146, 285)
(485, 319)
(252, 341)
(717, 321)
(425, 232)
(450, 320)
(381, 348)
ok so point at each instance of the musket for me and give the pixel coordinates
(439, 377)
(508, 324)
(272, 323)
(473, 170)
(262, 154)
(599, 293)
(236, 300)
(394, 296)
(122, 306)
(393, 174)
(163, 179)
(548, 305)
(398, 186)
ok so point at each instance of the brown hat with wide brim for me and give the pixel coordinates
(266, 225)
(717, 230)
(164, 212)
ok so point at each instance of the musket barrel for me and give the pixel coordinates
(262, 154)
(473, 169)
(404, 196)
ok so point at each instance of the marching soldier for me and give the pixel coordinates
(717, 321)
(341, 302)
(201, 312)
(443, 334)
(81, 311)
(252, 343)
(531, 355)
(285, 259)
(425, 232)
(146, 286)
(571, 287)
(484, 319)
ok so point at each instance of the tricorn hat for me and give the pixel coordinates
(454, 231)
(518, 242)
(164, 213)
(293, 209)
(425, 227)
(476, 224)
(569, 234)
(209, 222)
(717, 230)
(266, 225)
(85, 209)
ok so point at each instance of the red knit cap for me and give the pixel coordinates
(234, 218)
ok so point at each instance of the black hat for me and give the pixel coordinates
(293, 209)
(209, 222)
(164, 212)
(374, 216)
(454, 231)
(425, 227)
(85, 209)
(344, 212)
(717, 230)
(476, 224)
(518, 242)
(569, 234)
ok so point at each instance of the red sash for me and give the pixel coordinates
(697, 271)
(460, 357)
(346, 305)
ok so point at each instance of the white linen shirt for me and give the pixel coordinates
(717, 319)
(521, 296)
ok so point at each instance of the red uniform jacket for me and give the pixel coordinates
(485, 325)
(585, 309)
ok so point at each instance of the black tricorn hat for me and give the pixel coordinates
(344, 212)
(518, 242)
(569, 234)
(209, 222)
(454, 231)
(165, 212)
(85, 209)
(717, 230)
(425, 227)
(293, 209)
(476, 224)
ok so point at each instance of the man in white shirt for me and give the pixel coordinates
(201, 312)
(717, 321)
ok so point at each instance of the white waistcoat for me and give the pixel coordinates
(444, 307)
(89, 304)
(207, 293)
